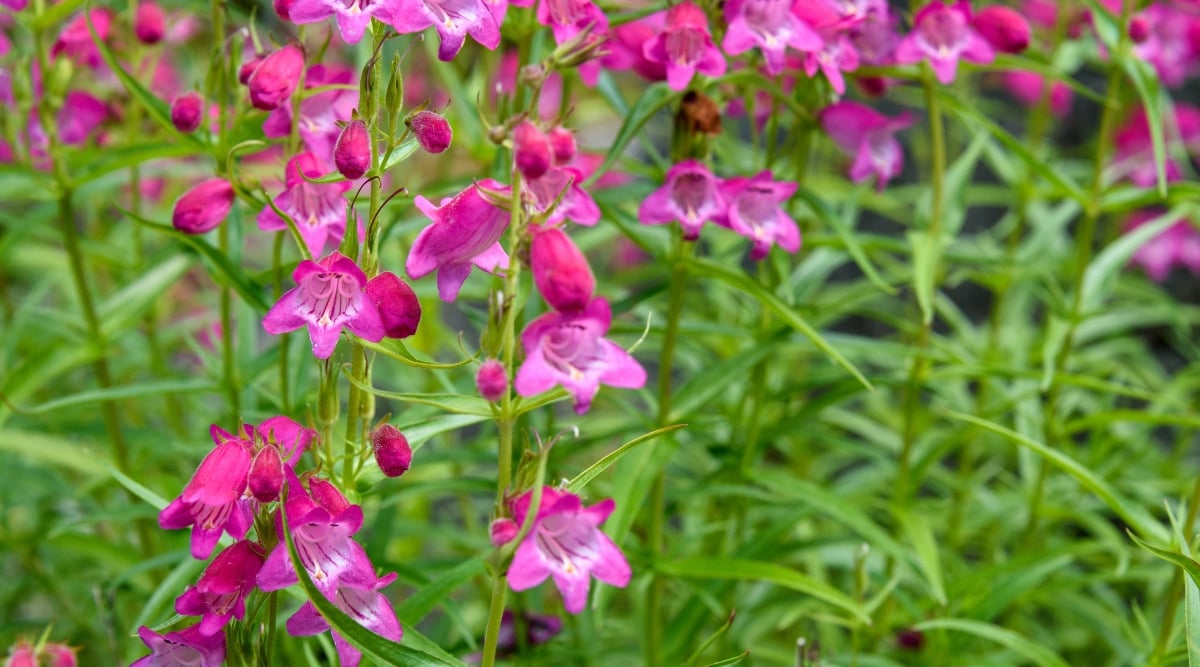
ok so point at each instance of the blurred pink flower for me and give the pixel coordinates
(756, 212)
(685, 46)
(184, 647)
(942, 34)
(1028, 87)
(75, 40)
(453, 20)
(691, 195)
(769, 25)
(1177, 246)
(318, 209)
(869, 136)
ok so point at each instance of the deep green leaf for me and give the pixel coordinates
(1037, 653)
(581, 480)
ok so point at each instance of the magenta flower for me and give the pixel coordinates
(867, 135)
(568, 18)
(1027, 88)
(575, 203)
(318, 209)
(533, 154)
(626, 47)
(362, 602)
(319, 113)
(943, 35)
(565, 542)
(466, 231)
(685, 46)
(329, 295)
(221, 592)
(691, 195)
(837, 55)
(453, 19)
(352, 15)
(569, 349)
(399, 308)
(187, 110)
(184, 648)
(1178, 245)
(1134, 158)
(204, 207)
(1171, 43)
(213, 502)
(755, 212)
(560, 270)
(276, 78)
(771, 26)
(75, 40)
(1004, 28)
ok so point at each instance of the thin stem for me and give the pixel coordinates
(491, 635)
(228, 358)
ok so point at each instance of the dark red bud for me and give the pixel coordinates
(187, 110)
(276, 78)
(433, 132)
(266, 475)
(562, 141)
(149, 24)
(910, 640)
(560, 270)
(392, 452)
(398, 305)
(352, 153)
(203, 207)
(1003, 28)
(491, 380)
(531, 150)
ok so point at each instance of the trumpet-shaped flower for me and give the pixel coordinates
(353, 16)
(755, 212)
(453, 19)
(569, 349)
(361, 601)
(562, 185)
(221, 592)
(685, 46)
(869, 137)
(328, 296)
(943, 35)
(691, 195)
(318, 209)
(771, 26)
(565, 543)
(466, 231)
(212, 502)
(185, 648)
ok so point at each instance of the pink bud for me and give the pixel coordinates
(392, 452)
(149, 24)
(266, 474)
(503, 531)
(560, 270)
(352, 153)
(562, 141)
(187, 111)
(327, 495)
(1139, 29)
(1003, 28)
(22, 654)
(531, 150)
(283, 9)
(203, 207)
(276, 78)
(247, 69)
(491, 380)
(60, 655)
(398, 305)
(433, 132)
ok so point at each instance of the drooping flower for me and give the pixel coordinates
(318, 209)
(361, 601)
(685, 46)
(569, 349)
(560, 270)
(868, 136)
(203, 207)
(328, 296)
(755, 211)
(212, 502)
(352, 152)
(771, 26)
(433, 131)
(392, 451)
(691, 196)
(276, 77)
(399, 308)
(943, 35)
(353, 16)
(1177, 246)
(453, 20)
(466, 231)
(565, 542)
(221, 592)
(184, 648)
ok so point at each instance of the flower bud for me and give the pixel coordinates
(283, 9)
(149, 24)
(266, 474)
(433, 132)
(562, 141)
(60, 655)
(531, 150)
(1003, 28)
(247, 69)
(187, 111)
(560, 270)
(1139, 29)
(203, 207)
(276, 78)
(392, 452)
(352, 153)
(327, 495)
(503, 531)
(491, 380)
(399, 308)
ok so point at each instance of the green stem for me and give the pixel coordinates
(285, 403)
(491, 635)
(228, 358)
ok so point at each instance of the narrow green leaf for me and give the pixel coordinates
(581, 480)
(153, 499)
(395, 349)
(401, 153)
(1189, 565)
(740, 281)
(696, 393)
(1029, 649)
(727, 662)
(920, 535)
(160, 388)
(695, 657)
(94, 164)
(124, 309)
(655, 97)
(753, 570)
(1149, 90)
(459, 404)
(926, 251)
(846, 235)
(1101, 275)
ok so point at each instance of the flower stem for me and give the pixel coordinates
(491, 636)
(228, 359)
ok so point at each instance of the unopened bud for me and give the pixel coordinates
(560, 270)
(149, 24)
(247, 69)
(352, 153)
(433, 131)
(532, 152)
(393, 96)
(266, 474)
(1003, 28)
(399, 308)
(186, 111)
(283, 9)
(562, 141)
(276, 78)
(1139, 29)
(491, 380)
(60, 655)
(503, 531)
(392, 452)
(203, 207)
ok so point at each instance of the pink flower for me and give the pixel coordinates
(149, 24)
(1178, 245)
(432, 131)
(399, 308)
(328, 296)
(685, 46)
(319, 113)
(453, 19)
(755, 212)
(533, 154)
(691, 195)
(203, 207)
(221, 592)
(352, 152)
(24, 654)
(266, 475)
(569, 349)
(942, 34)
(626, 47)
(75, 40)
(771, 26)
(1134, 158)
(185, 648)
(276, 78)
(565, 543)
(187, 111)
(568, 18)
(837, 55)
(562, 141)
(867, 135)
(1170, 43)
(575, 203)
(560, 270)
(213, 502)
(361, 601)
(1027, 88)
(352, 16)
(466, 231)
(318, 209)
(1004, 28)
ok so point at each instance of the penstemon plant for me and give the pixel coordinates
(776, 332)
